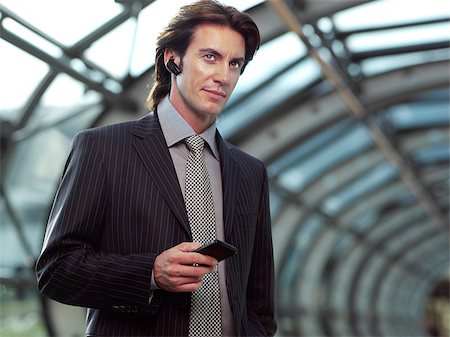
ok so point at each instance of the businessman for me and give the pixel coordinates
(137, 198)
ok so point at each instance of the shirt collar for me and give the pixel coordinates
(175, 129)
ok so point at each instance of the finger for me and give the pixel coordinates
(192, 271)
(197, 270)
(191, 258)
(188, 246)
(182, 283)
(188, 287)
(189, 269)
(202, 259)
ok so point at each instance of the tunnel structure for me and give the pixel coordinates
(347, 104)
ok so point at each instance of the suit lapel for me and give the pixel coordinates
(152, 148)
(230, 183)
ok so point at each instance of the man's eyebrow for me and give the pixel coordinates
(210, 51)
(241, 60)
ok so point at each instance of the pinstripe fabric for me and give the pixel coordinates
(119, 205)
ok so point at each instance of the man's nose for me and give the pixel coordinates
(222, 74)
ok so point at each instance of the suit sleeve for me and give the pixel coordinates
(71, 269)
(260, 290)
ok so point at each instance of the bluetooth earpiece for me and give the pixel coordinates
(173, 68)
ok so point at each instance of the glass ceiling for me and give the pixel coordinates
(339, 204)
(127, 50)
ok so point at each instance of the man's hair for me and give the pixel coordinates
(180, 30)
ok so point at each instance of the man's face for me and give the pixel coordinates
(210, 70)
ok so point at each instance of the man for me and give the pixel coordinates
(128, 214)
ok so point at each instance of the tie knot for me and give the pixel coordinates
(195, 144)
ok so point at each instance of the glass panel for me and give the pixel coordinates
(144, 44)
(31, 179)
(113, 51)
(32, 38)
(268, 61)
(310, 146)
(432, 154)
(34, 169)
(341, 149)
(377, 65)
(360, 188)
(303, 240)
(343, 245)
(439, 267)
(424, 254)
(343, 277)
(17, 82)
(276, 204)
(410, 236)
(70, 20)
(436, 95)
(378, 204)
(283, 229)
(369, 274)
(396, 285)
(393, 38)
(395, 221)
(12, 253)
(421, 139)
(418, 115)
(341, 176)
(310, 285)
(263, 101)
(386, 12)
(63, 98)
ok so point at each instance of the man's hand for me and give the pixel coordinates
(180, 269)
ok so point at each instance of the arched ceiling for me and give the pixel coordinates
(346, 102)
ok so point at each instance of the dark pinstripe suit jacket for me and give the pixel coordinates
(119, 205)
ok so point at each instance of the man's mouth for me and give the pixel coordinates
(216, 93)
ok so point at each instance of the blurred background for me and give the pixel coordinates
(346, 102)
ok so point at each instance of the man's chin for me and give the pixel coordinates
(213, 109)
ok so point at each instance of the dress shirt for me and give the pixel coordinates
(175, 129)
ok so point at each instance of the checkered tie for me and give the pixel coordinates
(205, 302)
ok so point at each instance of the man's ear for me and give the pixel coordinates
(171, 60)
(171, 54)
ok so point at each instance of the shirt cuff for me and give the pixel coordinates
(153, 285)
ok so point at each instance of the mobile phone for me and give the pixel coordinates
(217, 249)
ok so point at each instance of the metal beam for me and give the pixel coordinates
(383, 272)
(363, 55)
(18, 227)
(343, 35)
(63, 65)
(359, 112)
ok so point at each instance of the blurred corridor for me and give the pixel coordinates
(347, 104)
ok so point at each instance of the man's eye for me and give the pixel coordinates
(236, 65)
(210, 57)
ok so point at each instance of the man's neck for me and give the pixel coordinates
(199, 123)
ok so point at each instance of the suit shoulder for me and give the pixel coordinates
(120, 131)
(107, 132)
(113, 138)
